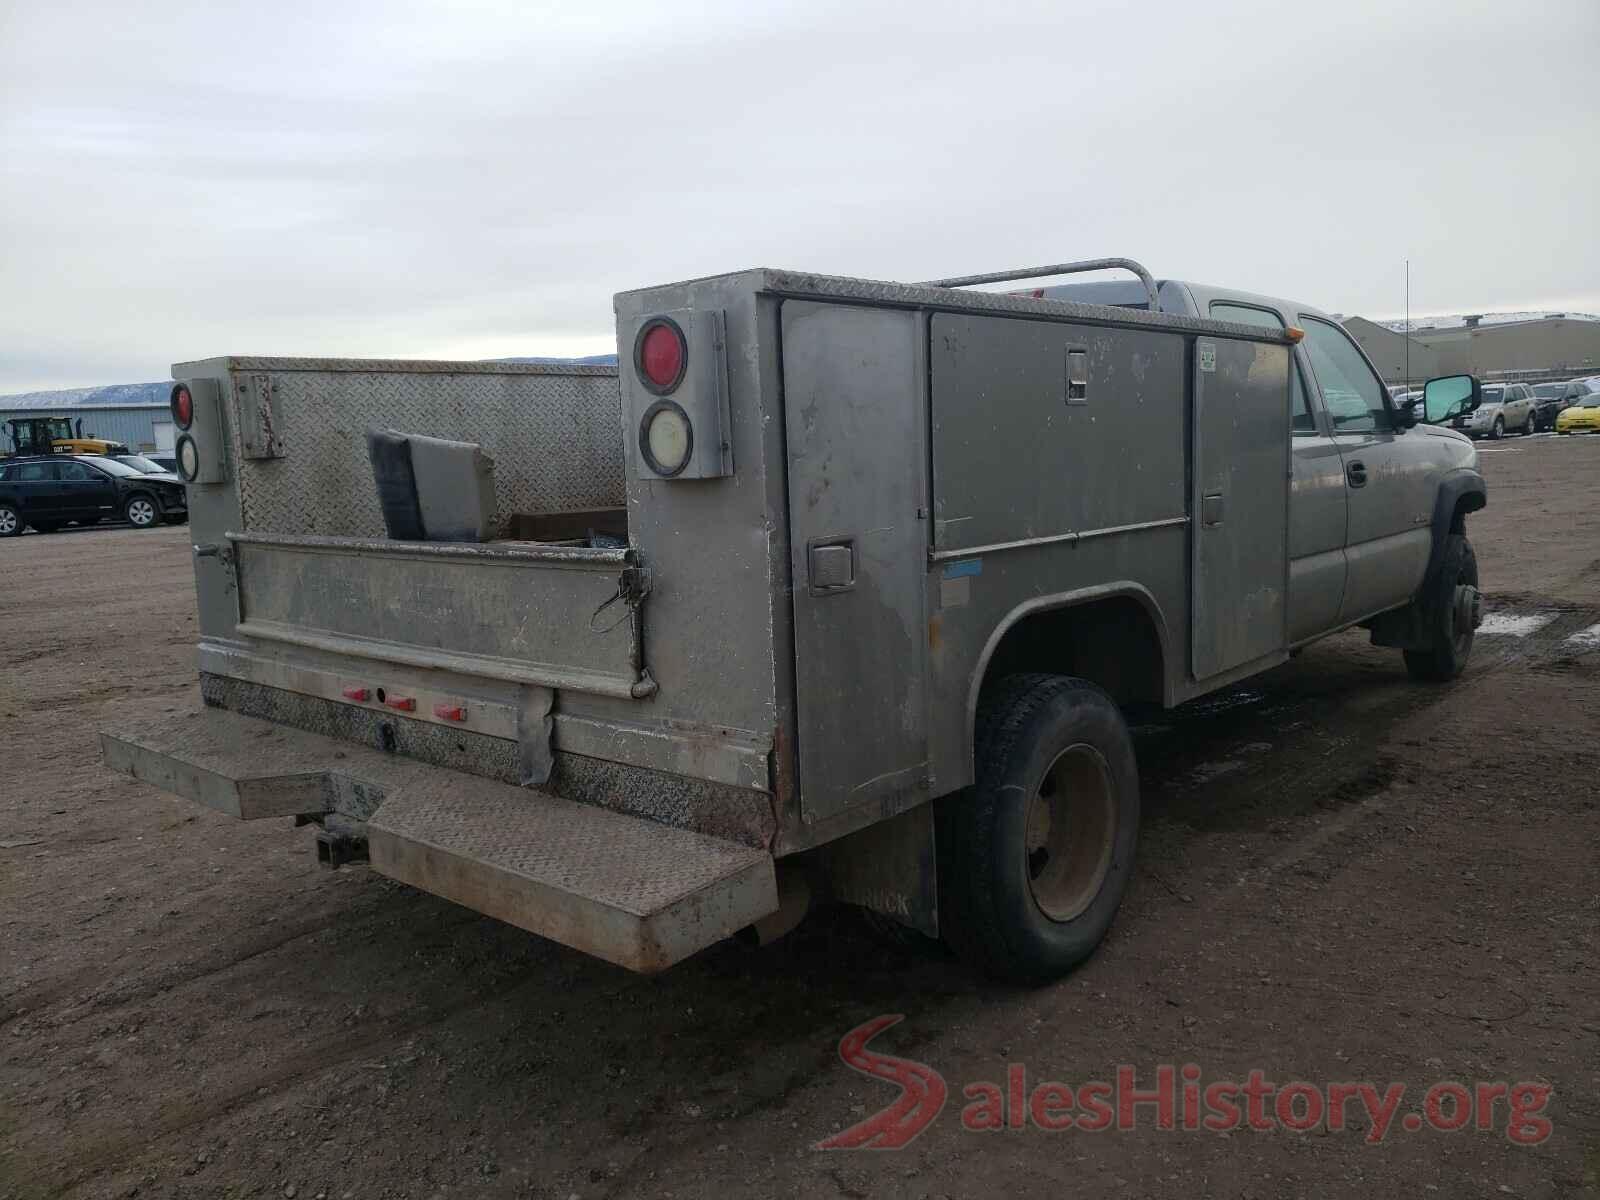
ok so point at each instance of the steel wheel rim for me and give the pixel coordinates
(141, 512)
(1069, 833)
(8, 521)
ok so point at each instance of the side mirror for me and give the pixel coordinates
(1450, 396)
(1406, 414)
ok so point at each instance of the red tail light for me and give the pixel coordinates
(182, 406)
(450, 712)
(660, 355)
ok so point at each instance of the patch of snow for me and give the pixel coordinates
(1586, 639)
(1515, 624)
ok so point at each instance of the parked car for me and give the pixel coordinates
(1548, 401)
(149, 464)
(1583, 416)
(1505, 406)
(1552, 397)
(48, 492)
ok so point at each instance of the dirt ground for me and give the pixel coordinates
(1343, 875)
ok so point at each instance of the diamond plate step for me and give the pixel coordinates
(636, 893)
(633, 892)
(243, 766)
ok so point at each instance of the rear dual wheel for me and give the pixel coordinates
(1035, 857)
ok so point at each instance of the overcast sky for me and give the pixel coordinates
(475, 180)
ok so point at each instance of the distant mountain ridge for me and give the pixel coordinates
(155, 395)
(112, 395)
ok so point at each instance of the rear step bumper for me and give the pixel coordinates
(633, 892)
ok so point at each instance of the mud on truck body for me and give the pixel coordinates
(833, 590)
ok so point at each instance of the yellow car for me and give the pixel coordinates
(1582, 417)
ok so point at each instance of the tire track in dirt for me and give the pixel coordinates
(27, 1005)
(1353, 768)
(92, 1159)
(180, 975)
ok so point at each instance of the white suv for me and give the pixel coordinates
(1506, 406)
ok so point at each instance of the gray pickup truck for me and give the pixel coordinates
(835, 590)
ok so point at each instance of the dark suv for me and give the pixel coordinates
(48, 492)
(1552, 398)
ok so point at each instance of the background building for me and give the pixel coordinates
(1397, 359)
(135, 413)
(1529, 346)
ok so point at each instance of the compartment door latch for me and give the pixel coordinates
(831, 565)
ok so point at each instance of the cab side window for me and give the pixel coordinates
(1351, 392)
(1300, 420)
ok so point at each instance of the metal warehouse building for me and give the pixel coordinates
(1531, 346)
(135, 413)
(1556, 345)
(1396, 361)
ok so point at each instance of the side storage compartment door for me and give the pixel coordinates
(1240, 506)
(855, 425)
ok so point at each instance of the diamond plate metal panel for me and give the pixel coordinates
(618, 861)
(555, 434)
(802, 284)
(631, 892)
(636, 893)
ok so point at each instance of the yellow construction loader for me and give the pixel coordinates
(56, 435)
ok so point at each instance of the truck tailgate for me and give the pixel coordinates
(518, 613)
(639, 894)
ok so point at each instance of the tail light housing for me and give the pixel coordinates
(196, 406)
(182, 405)
(660, 355)
(678, 395)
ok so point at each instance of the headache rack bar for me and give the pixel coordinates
(1071, 268)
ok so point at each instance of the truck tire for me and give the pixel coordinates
(10, 521)
(1451, 645)
(1034, 858)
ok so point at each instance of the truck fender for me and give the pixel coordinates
(1461, 491)
(1051, 602)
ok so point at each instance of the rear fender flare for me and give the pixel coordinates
(1050, 603)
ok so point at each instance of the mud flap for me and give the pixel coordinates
(890, 868)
